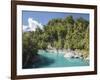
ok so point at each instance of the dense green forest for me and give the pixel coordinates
(59, 33)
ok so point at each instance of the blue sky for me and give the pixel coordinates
(44, 17)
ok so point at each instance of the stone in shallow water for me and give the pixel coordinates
(69, 54)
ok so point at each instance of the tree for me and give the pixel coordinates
(29, 47)
(86, 40)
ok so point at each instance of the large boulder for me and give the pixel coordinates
(69, 54)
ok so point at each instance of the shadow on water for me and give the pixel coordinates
(42, 61)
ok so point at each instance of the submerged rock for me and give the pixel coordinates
(72, 54)
(69, 54)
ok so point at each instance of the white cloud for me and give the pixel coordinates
(32, 25)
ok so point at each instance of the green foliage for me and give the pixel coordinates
(29, 47)
(60, 33)
(86, 40)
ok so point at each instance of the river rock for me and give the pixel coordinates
(69, 54)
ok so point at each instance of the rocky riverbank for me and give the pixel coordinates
(68, 53)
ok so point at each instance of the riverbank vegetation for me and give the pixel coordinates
(59, 33)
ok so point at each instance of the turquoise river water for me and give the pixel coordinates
(50, 59)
